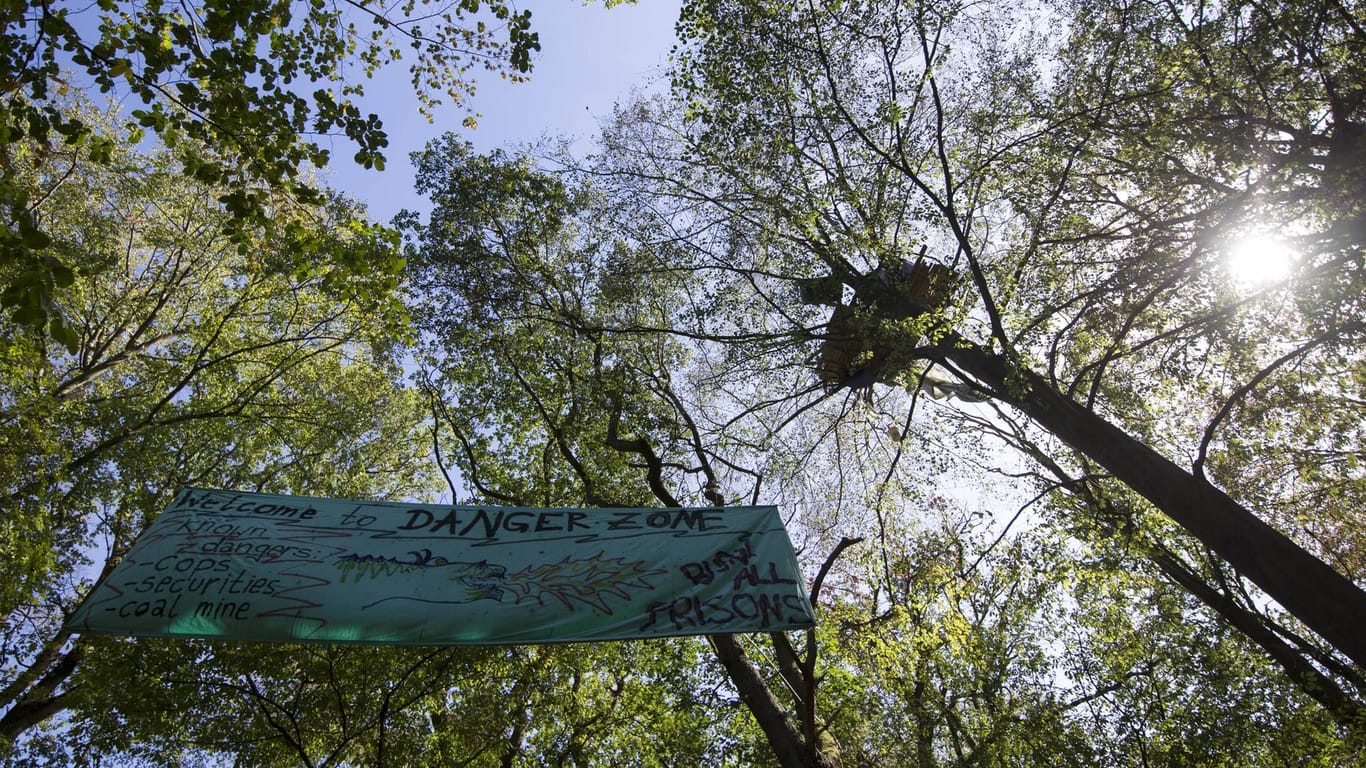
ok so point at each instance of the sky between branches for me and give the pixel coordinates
(590, 58)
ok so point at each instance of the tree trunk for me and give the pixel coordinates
(1318, 686)
(42, 700)
(1325, 600)
(783, 735)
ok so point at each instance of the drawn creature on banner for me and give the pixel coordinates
(571, 581)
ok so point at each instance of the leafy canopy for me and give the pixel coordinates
(261, 82)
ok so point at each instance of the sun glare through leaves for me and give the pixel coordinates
(1258, 259)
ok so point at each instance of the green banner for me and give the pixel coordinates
(249, 566)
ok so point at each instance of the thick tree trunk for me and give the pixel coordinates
(1325, 600)
(1346, 711)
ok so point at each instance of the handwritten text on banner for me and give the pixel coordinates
(250, 566)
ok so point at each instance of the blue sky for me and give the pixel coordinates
(590, 58)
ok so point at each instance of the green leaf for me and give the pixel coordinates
(34, 238)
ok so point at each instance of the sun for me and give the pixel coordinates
(1258, 259)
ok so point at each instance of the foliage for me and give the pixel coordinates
(1059, 160)
(939, 645)
(197, 363)
(1022, 655)
(646, 327)
(1232, 144)
(1079, 168)
(345, 705)
(511, 284)
(256, 81)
